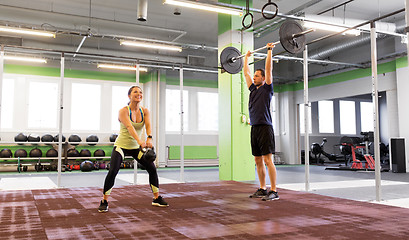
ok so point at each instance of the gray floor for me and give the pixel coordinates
(354, 185)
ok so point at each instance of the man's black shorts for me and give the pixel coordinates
(262, 140)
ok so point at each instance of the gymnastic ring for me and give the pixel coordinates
(266, 5)
(244, 18)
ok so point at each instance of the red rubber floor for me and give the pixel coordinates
(213, 210)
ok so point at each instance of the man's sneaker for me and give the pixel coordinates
(159, 202)
(272, 195)
(103, 206)
(259, 193)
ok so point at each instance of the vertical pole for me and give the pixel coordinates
(157, 119)
(182, 154)
(137, 73)
(135, 163)
(60, 119)
(374, 67)
(1, 79)
(306, 122)
(407, 24)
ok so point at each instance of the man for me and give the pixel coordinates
(262, 133)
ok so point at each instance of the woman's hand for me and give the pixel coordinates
(142, 144)
(149, 143)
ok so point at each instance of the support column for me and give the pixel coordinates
(306, 122)
(1, 81)
(375, 98)
(235, 159)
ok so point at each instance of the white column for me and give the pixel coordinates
(1, 79)
(306, 122)
(182, 155)
(60, 120)
(157, 118)
(135, 163)
(374, 62)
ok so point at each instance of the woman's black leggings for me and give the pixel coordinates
(117, 158)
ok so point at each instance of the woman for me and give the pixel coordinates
(132, 119)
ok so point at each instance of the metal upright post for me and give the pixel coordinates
(61, 111)
(407, 24)
(135, 163)
(374, 67)
(157, 119)
(182, 155)
(306, 121)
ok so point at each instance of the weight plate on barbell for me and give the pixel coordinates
(289, 43)
(226, 62)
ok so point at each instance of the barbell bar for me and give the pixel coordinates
(275, 43)
(292, 38)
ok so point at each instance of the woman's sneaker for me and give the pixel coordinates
(272, 195)
(159, 202)
(259, 193)
(103, 206)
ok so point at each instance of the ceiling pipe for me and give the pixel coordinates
(180, 32)
(310, 20)
(142, 11)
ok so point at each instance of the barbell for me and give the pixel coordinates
(292, 38)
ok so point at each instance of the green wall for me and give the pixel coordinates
(235, 159)
(193, 152)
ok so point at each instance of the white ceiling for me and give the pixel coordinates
(107, 21)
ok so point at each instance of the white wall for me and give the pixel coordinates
(403, 110)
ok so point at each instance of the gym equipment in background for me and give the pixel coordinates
(86, 166)
(85, 153)
(113, 137)
(33, 138)
(56, 138)
(74, 139)
(6, 153)
(318, 149)
(51, 153)
(73, 153)
(21, 137)
(20, 153)
(36, 152)
(47, 138)
(92, 139)
(99, 153)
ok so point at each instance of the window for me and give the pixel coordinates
(119, 100)
(208, 111)
(173, 110)
(302, 127)
(42, 105)
(347, 117)
(326, 116)
(85, 106)
(367, 124)
(7, 102)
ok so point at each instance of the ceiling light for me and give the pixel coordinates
(122, 67)
(26, 31)
(204, 6)
(25, 59)
(328, 27)
(151, 45)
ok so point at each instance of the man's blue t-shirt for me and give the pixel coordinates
(259, 104)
